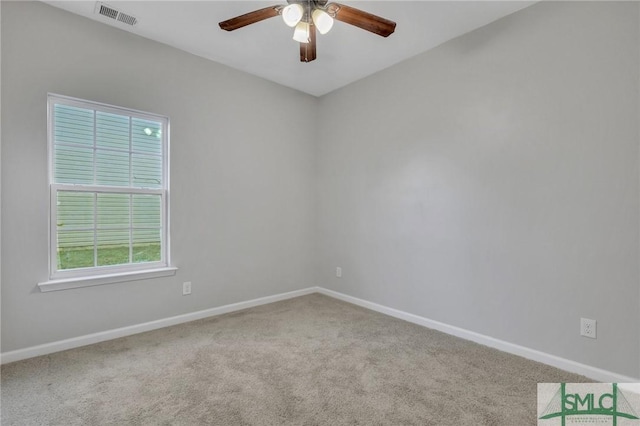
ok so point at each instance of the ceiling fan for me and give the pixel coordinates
(307, 16)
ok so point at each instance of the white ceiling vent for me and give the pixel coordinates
(113, 13)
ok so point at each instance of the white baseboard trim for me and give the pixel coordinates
(102, 336)
(545, 358)
(532, 354)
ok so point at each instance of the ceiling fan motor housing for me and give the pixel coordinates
(314, 3)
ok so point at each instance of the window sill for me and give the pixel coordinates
(88, 281)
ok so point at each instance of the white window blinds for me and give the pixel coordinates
(108, 180)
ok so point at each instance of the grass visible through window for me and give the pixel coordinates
(83, 257)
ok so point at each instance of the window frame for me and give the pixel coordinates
(94, 275)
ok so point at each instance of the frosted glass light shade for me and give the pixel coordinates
(323, 21)
(292, 14)
(301, 32)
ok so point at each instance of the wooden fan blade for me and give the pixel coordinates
(361, 19)
(250, 18)
(308, 50)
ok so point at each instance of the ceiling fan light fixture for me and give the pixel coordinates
(292, 14)
(301, 32)
(307, 15)
(322, 20)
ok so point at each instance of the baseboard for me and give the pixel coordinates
(545, 358)
(90, 339)
(532, 354)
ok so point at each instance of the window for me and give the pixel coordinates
(108, 179)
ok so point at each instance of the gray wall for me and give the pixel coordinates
(492, 183)
(242, 191)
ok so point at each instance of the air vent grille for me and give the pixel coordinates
(127, 19)
(110, 12)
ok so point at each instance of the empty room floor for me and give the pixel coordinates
(312, 360)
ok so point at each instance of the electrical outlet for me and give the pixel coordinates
(186, 288)
(588, 328)
(339, 272)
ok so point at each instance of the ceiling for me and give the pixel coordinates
(266, 49)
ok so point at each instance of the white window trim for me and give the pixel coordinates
(91, 280)
(84, 277)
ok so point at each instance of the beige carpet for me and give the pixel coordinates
(311, 360)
